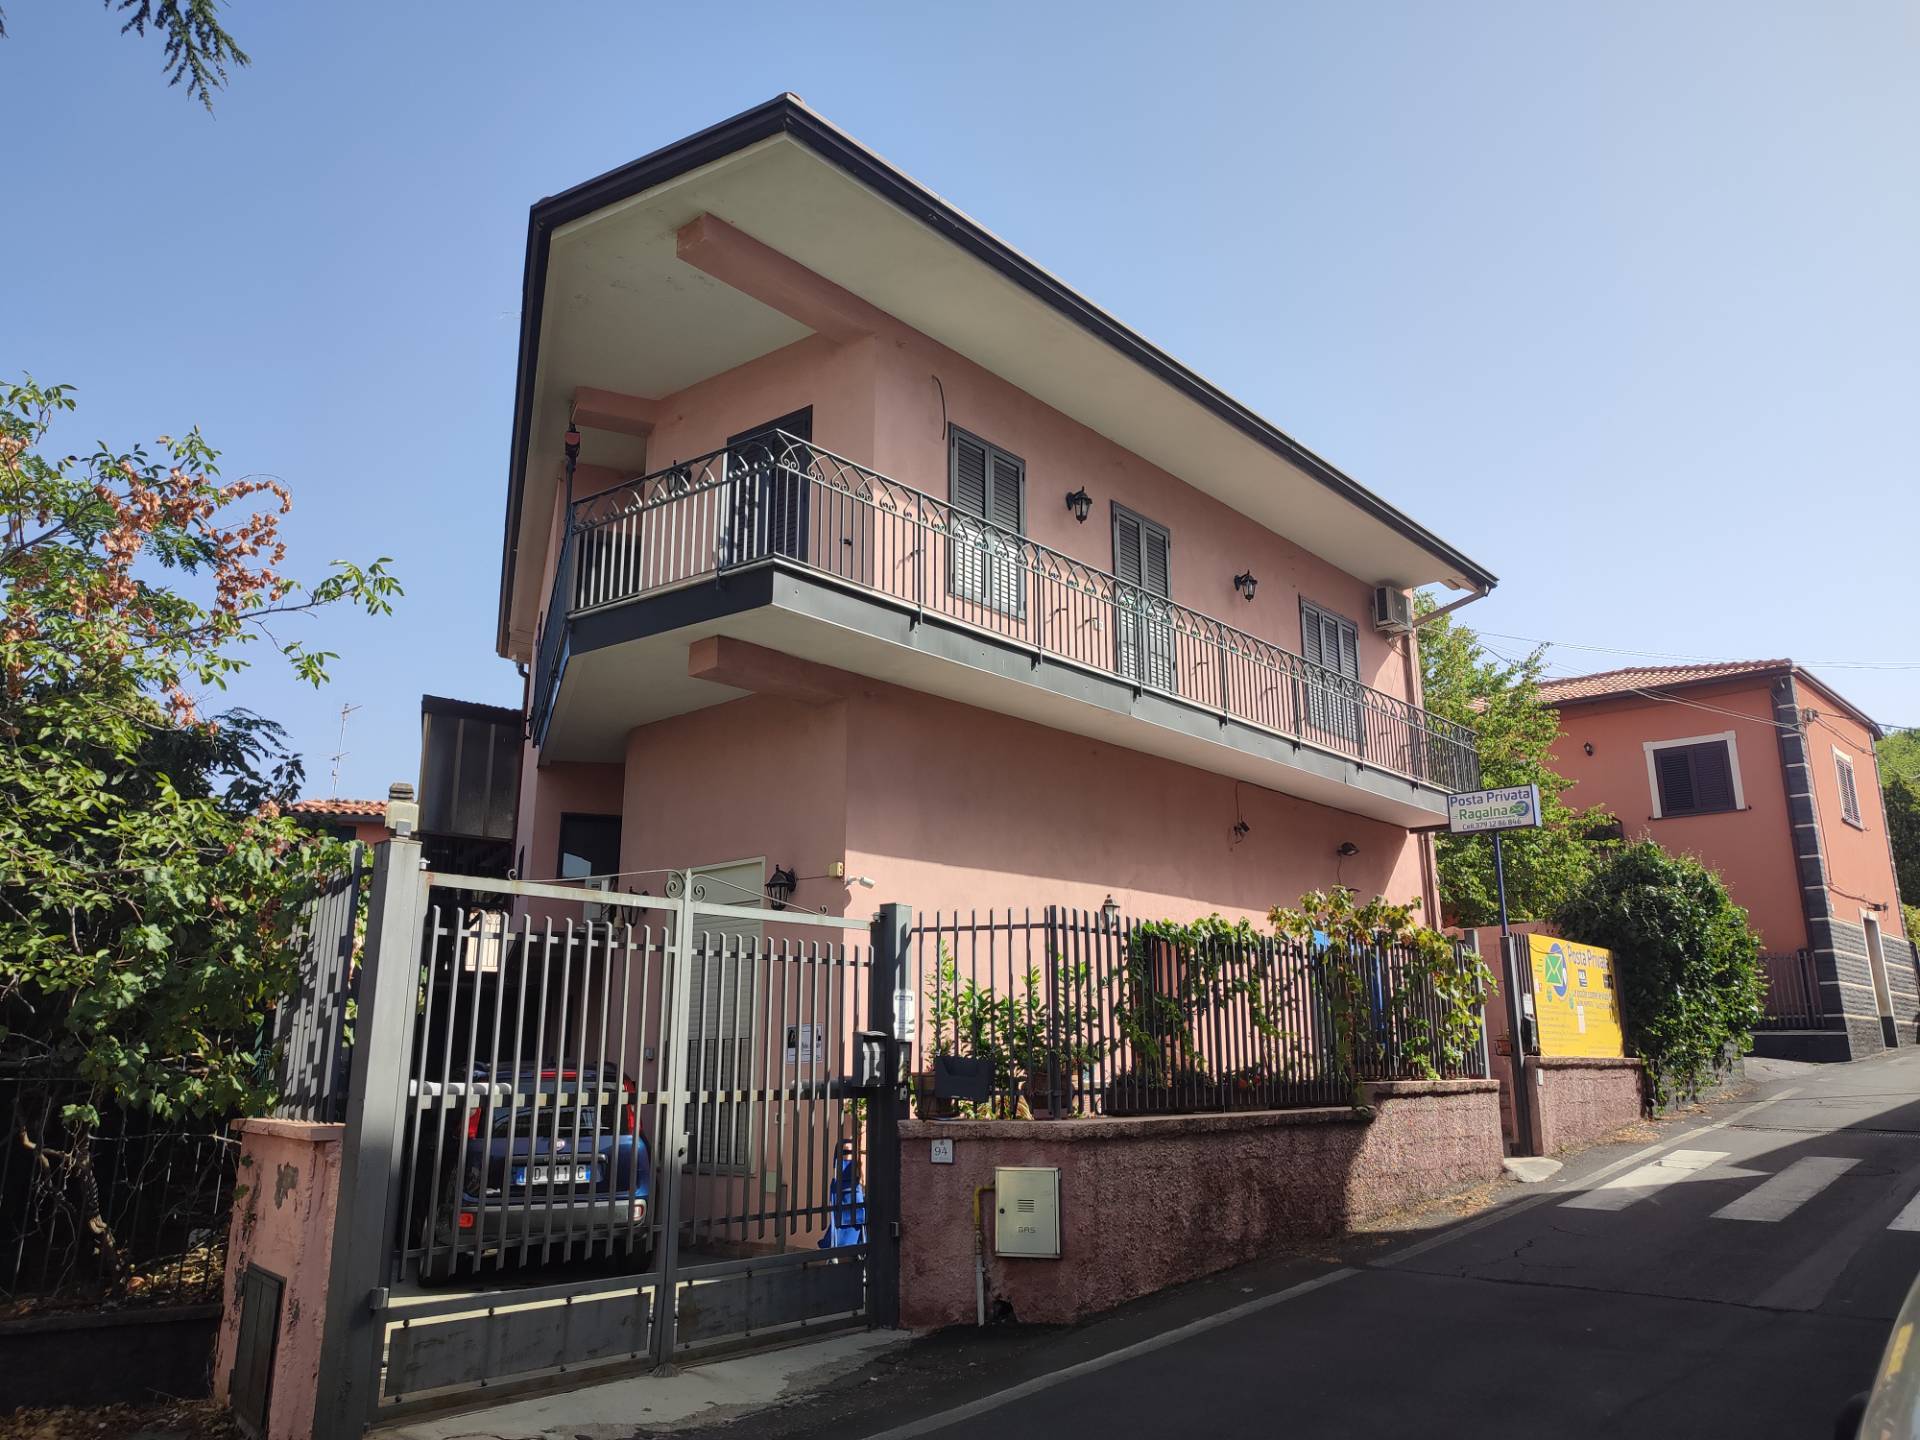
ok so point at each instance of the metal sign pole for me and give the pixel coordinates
(1500, 883)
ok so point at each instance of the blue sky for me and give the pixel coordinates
(1621, 300)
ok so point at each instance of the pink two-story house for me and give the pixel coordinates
(851, 556)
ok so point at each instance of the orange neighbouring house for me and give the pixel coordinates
(1768, 776)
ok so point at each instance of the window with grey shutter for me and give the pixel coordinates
(1331, 645)
(987, 488)
(1694, 779)
(1143, 628)
(1849, 793)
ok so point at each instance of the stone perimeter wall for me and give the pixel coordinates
(1581, 1100)
(1151, 1202)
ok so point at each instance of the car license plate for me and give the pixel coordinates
(557, 1174)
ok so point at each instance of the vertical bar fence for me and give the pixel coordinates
(1075, 1014)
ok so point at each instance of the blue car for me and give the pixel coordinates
(555, 1167)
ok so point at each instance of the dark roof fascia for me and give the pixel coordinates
(470, 709)
(786, 115)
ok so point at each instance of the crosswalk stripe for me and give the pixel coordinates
(1909, 1218)
(1786, 1192)
(1623, 1190)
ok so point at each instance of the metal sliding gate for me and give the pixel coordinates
(621, 1130)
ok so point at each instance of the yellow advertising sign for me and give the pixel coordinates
(1576, 1005)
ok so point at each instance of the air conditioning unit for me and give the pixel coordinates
(1392, 610)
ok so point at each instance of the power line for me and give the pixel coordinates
(1703, 659)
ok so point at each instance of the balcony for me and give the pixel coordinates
(1008, 609)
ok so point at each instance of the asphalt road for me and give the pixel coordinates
(1734, 1277)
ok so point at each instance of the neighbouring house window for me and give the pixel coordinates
(1694, 777)
(1849, 793)
(589, 845)
(1143, 629)
(1331, 642)
(987, 489)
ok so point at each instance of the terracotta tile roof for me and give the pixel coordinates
(1651, 677)
(340, 809)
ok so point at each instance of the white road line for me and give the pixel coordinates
(1623, 1190)
(1786, 1192)
(987, 1403)
(1909, 1218)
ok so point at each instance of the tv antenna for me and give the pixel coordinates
(342, 752)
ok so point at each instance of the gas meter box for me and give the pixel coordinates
(1027, 1205)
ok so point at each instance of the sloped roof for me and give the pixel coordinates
(1640, 679)
(1651, 677)
(340, 809)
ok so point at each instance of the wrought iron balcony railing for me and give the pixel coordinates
(777, 499)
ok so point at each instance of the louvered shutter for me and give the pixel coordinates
(1126, 547)
(1153, 562)
(1673, 768)
(968, 488)
(1334, 644)
(1849, 794)
(1712, 777)
(1005, 492)
(969, 475)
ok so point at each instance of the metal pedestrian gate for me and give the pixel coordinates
(624, 1129)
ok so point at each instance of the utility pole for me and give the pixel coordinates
(340, 753)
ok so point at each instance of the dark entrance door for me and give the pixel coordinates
(770, 480)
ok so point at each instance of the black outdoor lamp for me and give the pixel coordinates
(780, 887)
(1080, 503)
(1244, 583)
(1110, 912)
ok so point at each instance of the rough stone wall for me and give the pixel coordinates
(1579, 1100)
(1841, 947)
(1151, 1202)
(1903, 979)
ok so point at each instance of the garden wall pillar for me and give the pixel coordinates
(286, 1194)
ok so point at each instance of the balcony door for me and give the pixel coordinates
(769, 490)
(1143, 618)
(1331, 645)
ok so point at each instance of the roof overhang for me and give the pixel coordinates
(607, 304)
(1732, 680)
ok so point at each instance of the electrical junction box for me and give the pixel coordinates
(1027, 1202)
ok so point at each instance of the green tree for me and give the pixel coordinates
(1687, 962)
(198, 48)
(1517, 730)
(148, 882)
(1898, 755)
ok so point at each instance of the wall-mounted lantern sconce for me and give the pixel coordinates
(1244, 583)
(1110, 912)
(1347, 850)
(780, 887)
(1588, 747)
(1240, 831)
(1081, 504)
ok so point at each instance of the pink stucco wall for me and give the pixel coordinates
(1752, 849)
(948, 807)
(1860, 873)
(284, 1204)
(1148, 1203)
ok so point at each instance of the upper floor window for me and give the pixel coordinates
(1331, 642)
(988, 490)
(1849, 792)
(1696, 776)
(1143, 627)
(589, 845)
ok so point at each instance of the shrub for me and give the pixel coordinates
(1690, 984)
